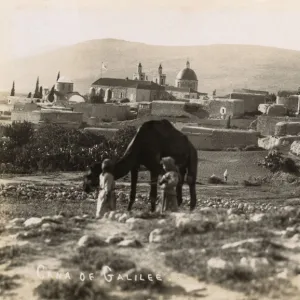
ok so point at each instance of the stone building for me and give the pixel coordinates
(140, 89)
(64, 92)
(135, 90)
(187, 78)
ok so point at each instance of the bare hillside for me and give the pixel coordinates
(220, 67)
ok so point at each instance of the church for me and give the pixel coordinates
(140, 89)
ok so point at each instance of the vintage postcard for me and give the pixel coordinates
(149, 150)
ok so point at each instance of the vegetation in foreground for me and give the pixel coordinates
(55, 148)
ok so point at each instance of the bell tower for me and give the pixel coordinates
(160, 78)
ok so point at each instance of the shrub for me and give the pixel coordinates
(19, 133)
(275, 162)
(55, 148)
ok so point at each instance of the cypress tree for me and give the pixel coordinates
(58, 76)
(12, 92)
(51, 95)
(37, 89)
(29, 95)
(41, 92)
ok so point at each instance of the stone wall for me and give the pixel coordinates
(28, 116)
(251, 101)
(102, 112)
(6, 107)
(223, 107)
(290, 102)
(276, 110)
(177, 109)
(287, 128)
(281, 143)
(218, 139)
(168, 108)
(266, 124)
(61, 116)
(44, 116)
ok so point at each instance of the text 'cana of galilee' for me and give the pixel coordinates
(43, 273)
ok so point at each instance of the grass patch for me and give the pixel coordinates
(16, 254)
(93, 259)
(70, 290)
(7, 283)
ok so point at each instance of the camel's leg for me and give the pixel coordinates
(153, 191)
(134, 178)
(179, 187)
(192, 185)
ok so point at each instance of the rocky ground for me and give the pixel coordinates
(242, 242)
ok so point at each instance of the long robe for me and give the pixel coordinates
(107, 197)
(169, 195)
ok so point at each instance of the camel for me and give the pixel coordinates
(154, 139)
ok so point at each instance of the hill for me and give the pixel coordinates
(221, 67)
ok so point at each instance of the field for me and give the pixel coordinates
(242, 242)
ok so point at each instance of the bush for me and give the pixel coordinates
(19, 133)
(275, 162)
(55, 148)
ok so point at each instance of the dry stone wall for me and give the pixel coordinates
(218, 139)
(287, 128)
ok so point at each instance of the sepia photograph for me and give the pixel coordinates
(149, 150)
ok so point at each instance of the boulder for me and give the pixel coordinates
(192, 223)
(91, 241)
(33, 222)
(159, 235)
(255, 264)
(123, 218)
(258, 217)
(135, 224)
(115, 239)
(130, 243)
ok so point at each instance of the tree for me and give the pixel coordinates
(29, 95)
(58, 76)
(41, 92)
(51, 95)
(37, 90)
(12, 92)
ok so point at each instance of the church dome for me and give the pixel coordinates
(187, 73)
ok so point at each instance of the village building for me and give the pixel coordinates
(109, 89)
(140, 89)
(64, 92)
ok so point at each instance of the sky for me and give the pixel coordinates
(29, 27)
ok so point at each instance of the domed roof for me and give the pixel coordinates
(186, 73)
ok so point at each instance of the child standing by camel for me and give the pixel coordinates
(106, 198)
(169, 183)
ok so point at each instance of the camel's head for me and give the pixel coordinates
(91, 179)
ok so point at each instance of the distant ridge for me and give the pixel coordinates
(220, 67)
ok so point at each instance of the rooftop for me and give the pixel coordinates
(129, 83)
